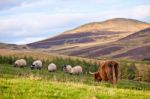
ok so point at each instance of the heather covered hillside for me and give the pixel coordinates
(114, 38)
(135, 46)
(94, 33)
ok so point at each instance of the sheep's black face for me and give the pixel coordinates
(64, 67)
(15, 65)
(32, 66)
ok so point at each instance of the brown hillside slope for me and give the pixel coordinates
(110, 38)
(135, 46)
(92, 34)
(116, 24)
(138, 45)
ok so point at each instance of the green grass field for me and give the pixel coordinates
(24, 83)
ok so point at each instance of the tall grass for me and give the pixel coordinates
(59, 61)
(128, 69)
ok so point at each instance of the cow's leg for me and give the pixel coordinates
(116, 72)
(109, 75)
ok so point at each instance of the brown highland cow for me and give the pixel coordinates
(108, 71)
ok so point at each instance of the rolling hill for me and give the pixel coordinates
(135, 46)
(118, 37)
(13, 46)
(93, 33)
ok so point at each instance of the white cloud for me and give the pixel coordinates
(27, 40)
(11, 4)
(142, 11)
(31, 25)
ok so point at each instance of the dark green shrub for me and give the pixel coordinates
(7, 60)
(29, 60)
(131, 71)
(127, 70)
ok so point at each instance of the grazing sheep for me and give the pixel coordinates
(20, 63)
(36, 64)
(52, 67)
(67, 69)
(76, 70)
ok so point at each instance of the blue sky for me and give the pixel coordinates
(25, 21)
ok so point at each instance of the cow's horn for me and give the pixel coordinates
(91, 73)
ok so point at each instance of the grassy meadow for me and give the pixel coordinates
(25, 83)
(17, 83)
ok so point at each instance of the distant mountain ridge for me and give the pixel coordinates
(116, 24)
(12, 46)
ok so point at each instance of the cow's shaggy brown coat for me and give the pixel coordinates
(108, 71)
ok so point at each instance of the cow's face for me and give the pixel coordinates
(97, 77)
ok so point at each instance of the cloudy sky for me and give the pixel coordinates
(25, 21)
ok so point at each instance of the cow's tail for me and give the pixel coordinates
(114, 75)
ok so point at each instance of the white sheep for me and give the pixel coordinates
(20, 63)
(52, 67)
(76, 70)
(67, 68)
(36, 64)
